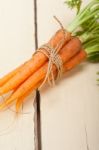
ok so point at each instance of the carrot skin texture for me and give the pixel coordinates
(67, 52)
(21, 99)
(34, 64)
(72, 63)
(7, 77)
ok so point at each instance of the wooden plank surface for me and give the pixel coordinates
(73, 104)
(16, 46)
(70, 109)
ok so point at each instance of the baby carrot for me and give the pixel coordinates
(33, 65)
(7, 77)
(72, 63)
(67, 52)
(21, 99)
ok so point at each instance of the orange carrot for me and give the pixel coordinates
(67, 52)
(34, 64)
(72, 63)
(7, 77)
(21, 99)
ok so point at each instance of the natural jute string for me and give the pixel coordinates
(54, 58)
(52, 54)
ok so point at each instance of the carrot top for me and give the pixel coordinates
(86, 26)
(74, 4)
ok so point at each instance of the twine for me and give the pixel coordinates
(52, 54)
(54, 58)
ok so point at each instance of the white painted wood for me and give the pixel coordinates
(74, 102)
(16, 46)
(68, 107)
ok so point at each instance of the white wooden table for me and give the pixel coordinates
(67, 109)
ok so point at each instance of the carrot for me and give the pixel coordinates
(72, 63)
(67, 52)
(7, 77)
(34, 64)
(21, 99)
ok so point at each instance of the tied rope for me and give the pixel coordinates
(54, 58)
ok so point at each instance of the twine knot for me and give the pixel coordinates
(54, 58)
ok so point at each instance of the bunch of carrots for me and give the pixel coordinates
(30, 75)
(80, 42)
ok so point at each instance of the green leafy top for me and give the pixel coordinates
(74, 4)
(86, 26)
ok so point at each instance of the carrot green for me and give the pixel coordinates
(74, 4)
(86, 26)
